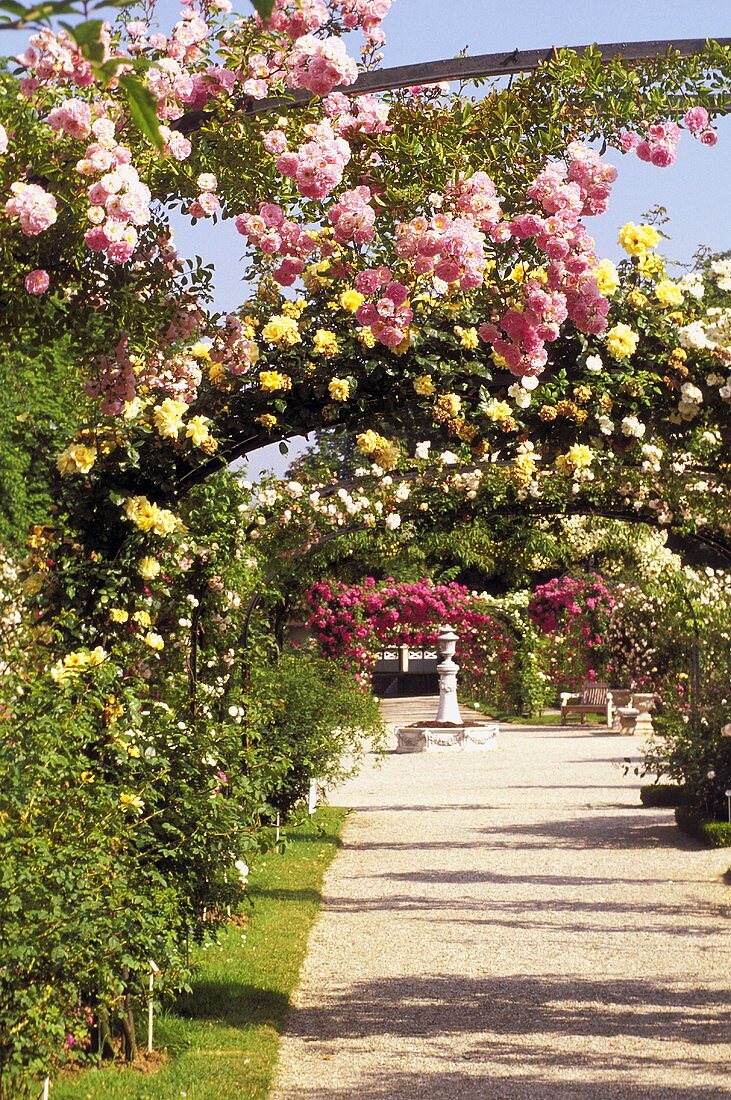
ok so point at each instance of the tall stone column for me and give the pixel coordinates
(448, 706)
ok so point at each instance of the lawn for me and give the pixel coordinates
(222, 1040)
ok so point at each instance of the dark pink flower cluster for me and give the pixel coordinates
(275, 235)
(113, 379)
(389, 315)
(352, 623)
(658, 146)
(452, 249)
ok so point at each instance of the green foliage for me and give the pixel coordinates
(38, 413)
(222, 1038)
(714, 834)
(662, 794)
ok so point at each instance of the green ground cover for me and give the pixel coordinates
(222, 1039)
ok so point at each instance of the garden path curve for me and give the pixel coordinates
(511, 924)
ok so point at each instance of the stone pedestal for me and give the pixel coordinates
(643, 703)
(447, 733)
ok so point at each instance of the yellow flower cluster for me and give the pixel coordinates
(148, 567)
(424, 385)
(118, 615)
(150, 517)
(282, 330)
(325, 343)
(497, 411)
(446, 407)
(523, 468)
(651, 265)
(468, 337)
(168, 417)
(668, 293)
(198, 432)
(273, 380)
(131, 802)
(366, 337)
(76, 459)
(294, 309)
(622, 341)
(73, 664)
(339, 389)
(638, 239)
(378, 448)
(154, 641)
(607, 277)
(351, 300)
(267, 421)
(578, 457)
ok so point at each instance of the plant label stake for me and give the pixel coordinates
(154, 969)
(312, 797)
(46, 1088)
(728, 797)
(276, 839)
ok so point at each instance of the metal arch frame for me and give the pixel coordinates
(466, 69)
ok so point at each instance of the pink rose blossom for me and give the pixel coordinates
(37, 282)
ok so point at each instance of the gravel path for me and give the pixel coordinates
(510, 924)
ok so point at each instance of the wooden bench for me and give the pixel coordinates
(592, 699)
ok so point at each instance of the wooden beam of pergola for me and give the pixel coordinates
(466, 69)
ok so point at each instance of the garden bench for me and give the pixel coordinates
(592, 699)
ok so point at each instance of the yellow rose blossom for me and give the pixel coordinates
(200, 351)
(314, 277)
(197, 431)
(75, 663)
(76, 459)
(497, 411)
(339, 389)
(668, 293)
(366, 337)
(424, 385)
(294, 309)
(447, 406)
(651, 265)
(131, 802)
(118, 615)
(282, 330)
(325, 343)
(524, 468)
(638, 239)
(607, 277)
(468, 337)
(499, 360)
(622, 341)
(369, 441)
(272, 380)
(142, 618)
(168, 417)
(154, 641)
(132, 409)
(636, 299)
(351, 300)
(149, 567)
(150, 517)
(267, 421)
(578, 457)
(518, 274)
(217, 374)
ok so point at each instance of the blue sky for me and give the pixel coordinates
(694, 190)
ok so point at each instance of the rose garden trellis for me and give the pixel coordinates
(170, 417)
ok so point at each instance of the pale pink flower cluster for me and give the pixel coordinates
(296, 18)
(319, 64)
(658, 147)
(34, 208)
(389, 316)
(366, 14)
(119, 202)
(317, 166)
(475, 197)
(178, 376)
(187, 37)
(275, 235)
(584, 187)
(234, 347)
(173, 87)
(176, 144)
(699, 124)
(450, 248)
(37, 282)
(55, 58)
(353, 219)
(365, 114)
(3, 140)
(207, 203)
(73, 117)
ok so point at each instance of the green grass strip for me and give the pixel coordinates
(223, 1038)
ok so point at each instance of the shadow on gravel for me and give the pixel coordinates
(463, 1086)
(592, 830)
(524, 1008)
